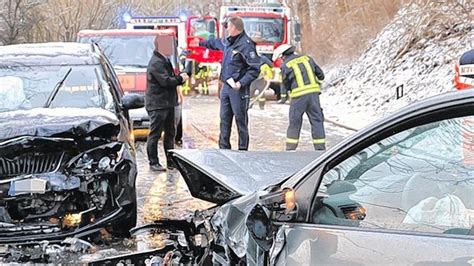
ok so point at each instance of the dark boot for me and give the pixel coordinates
(170, 165)
(319, 147)
(157, 168)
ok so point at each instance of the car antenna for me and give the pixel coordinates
(56, 89)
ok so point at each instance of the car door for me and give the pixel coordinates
(402, 194)
(116, 89)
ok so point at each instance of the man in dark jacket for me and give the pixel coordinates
(161, 98)
(240, 66)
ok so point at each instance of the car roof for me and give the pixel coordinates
(119, 32)
(43, 54)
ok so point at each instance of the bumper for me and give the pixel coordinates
(141, 133)
(141, 123)
(34, 233)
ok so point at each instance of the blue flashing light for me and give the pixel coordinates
(183, 17)
(126, 17)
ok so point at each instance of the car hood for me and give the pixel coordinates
(221, 175)
(46, 122)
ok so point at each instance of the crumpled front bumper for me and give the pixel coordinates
(34, 233)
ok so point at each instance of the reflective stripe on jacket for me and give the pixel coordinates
(301, 76)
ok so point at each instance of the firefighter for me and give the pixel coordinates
(258, 86)
(240, 66)
(301, 82)
(202, 78)
(207, 78)
(185, 66)
(464, 77)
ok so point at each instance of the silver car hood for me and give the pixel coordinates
(221, 175)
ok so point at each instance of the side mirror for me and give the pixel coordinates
(297, 30)
(260, 227)
(133, 101)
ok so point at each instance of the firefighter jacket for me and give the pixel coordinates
(266, 71)
(161, 84)
(240, 60)
(301, 76)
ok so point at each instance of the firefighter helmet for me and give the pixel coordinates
(281, 50)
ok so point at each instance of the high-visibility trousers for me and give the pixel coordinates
(310, 105)
(185, 87)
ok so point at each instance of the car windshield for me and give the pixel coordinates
(132, 50)
(28, 87)
(263, 30)
(204, 28)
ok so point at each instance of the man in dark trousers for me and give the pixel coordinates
(160, 101)
(301, 81)
(240, 66)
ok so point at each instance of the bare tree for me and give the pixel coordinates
(63, 19)
(16, 17)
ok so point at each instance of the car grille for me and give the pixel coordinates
(30, 164)
(26, 230)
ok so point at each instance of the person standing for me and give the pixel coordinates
(240, 66)
(258, 86)
(160, 100)
(301, 81)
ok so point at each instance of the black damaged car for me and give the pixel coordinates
(67, 157)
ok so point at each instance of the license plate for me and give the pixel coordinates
(127, 82)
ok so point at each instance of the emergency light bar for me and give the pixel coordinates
(155, 20)
(254, 9)
(466, 70)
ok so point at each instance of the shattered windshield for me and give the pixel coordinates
(134, 50)
(263, 30)
(28, 87)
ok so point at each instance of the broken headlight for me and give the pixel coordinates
(102, 158)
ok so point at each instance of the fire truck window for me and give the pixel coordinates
(264, 29)
(204, 28)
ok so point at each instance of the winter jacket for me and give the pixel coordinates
(161, 83)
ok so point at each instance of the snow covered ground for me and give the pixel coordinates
(421, 60)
